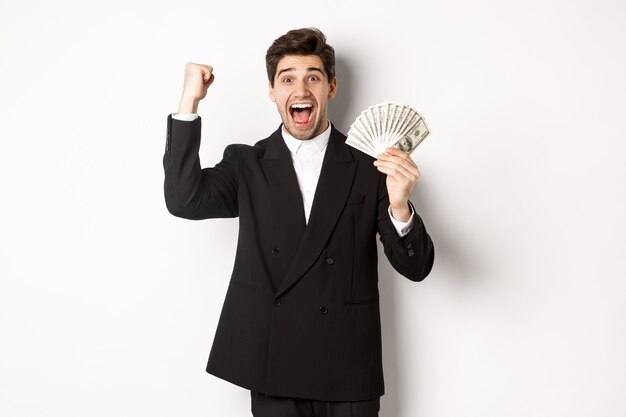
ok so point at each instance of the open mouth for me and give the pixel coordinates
(301, 113)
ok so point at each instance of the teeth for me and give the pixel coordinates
(301, 106)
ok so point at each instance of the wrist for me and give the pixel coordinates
(402, 212)
(188, 105)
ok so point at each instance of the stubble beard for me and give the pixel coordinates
(306, 135)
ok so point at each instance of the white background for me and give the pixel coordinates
(108, 304)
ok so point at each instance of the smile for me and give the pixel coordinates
(301, 114)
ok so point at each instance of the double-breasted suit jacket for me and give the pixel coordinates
(301, 314)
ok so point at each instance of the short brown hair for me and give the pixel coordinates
(306, 41)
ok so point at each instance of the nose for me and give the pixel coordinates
(301, 89)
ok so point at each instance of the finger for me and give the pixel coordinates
(207, 70)
(408, 164)
(397, 170)
(396, 153)
(208, 83)
(408, 169)
(397, 175)
(396, 159)
(392, 150)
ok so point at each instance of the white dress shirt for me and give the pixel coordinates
(307, 156)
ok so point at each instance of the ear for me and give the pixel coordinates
(271, 92)
(332, 88)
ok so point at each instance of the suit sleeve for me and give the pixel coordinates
(190, 191)
(411, 255)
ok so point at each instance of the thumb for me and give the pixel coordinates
(208, 78)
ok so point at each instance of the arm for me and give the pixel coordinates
(412, 255)
(402, 174)
(192, 192)
(402, 228)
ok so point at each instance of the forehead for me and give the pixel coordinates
(300, 62)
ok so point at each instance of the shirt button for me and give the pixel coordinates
(330, 261)
(323, 310)
(275, 251)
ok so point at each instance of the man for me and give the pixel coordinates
(300, 325)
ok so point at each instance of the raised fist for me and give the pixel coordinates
(198, 78)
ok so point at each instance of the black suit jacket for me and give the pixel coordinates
(301, 315)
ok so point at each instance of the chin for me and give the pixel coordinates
(301, 134)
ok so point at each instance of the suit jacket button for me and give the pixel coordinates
(277, 302)
(323, 310)
(330, 261)
(275, 251)
(411, 252)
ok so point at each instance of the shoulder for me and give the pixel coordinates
(275, 136)
(240, 149)
(244, 151)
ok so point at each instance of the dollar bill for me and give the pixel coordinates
(387, 124)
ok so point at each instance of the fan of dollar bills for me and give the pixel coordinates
(385, 125)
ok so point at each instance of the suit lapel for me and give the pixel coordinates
(288, 209)
(333, 188)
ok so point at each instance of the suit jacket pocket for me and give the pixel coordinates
(354, 200)
(362, 302)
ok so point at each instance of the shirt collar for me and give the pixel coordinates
(294, 145)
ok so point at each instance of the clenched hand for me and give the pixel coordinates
(402, 174)
(198, 78)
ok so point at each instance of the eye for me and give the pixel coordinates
(287, 79)
(314, 78)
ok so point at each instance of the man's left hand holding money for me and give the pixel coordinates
(402, 174)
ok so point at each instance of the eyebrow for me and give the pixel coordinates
(293, 69)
